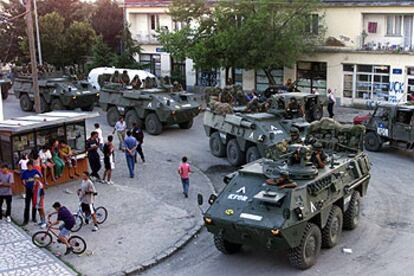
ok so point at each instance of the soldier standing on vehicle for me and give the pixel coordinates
(290, 85)
(120, 128)
(125, 78)
(139, 135)
(318, 157)
(331, 103)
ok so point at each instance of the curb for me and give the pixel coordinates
(184, 240)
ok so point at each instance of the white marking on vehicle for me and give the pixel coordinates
(251, 136)
(275, 130)
(238, 197)
(241, 190)
(251, 216)
(313, 208)
(149, 104)
(186, 105)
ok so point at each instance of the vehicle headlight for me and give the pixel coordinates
(275, 232)
(208, 220)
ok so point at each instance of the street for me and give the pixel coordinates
(381, 245)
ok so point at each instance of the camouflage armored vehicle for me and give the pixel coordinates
(293, 203)
(245, 137)
(392, 124)
(152, 108)
(5, 85)
(56, 93)
(311, 104)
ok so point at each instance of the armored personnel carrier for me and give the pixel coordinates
(244, 137)
(56, 93)
(291, 202)
(151, 108)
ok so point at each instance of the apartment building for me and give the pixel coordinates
(368, 55)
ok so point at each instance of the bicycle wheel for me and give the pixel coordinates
(42, 239)
(101, 214)
(78, 223)
(78, 244)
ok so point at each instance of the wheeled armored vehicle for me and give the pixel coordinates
(303, 216)
(56, 93)
(392, 124)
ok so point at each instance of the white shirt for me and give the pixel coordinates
(45, 155)
(23, 164)
(120, 126)
(100, 136)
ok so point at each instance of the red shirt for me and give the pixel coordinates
(184, 170)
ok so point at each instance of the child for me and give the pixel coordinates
(23, 162)
(39, 199)
(184, 170)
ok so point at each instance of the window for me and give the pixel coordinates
(152, 63)
(154, 22)
(262, 82)
(313, 24)
(179, 25)
(238, 77)
(348, 80)
(209, 78)
(394, 25)
(311, 75)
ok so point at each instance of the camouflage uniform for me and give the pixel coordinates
(225, 96)
(115, 78)
(294, 136)
(125, 78)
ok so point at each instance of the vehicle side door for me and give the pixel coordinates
(380, 121)
(402, 126)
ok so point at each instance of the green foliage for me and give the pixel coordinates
(80, 38)
(131, 50)
(261, 34)
(102, 55)
(52, 37)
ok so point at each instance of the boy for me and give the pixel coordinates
(39, 199)
(87, 193)
(64, 215)
(184, 170)
(6, 183)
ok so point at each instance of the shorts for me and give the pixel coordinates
(88, 208)
(64, 232)
(107, 163)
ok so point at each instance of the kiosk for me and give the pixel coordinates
(25, 135)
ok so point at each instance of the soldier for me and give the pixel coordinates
(319, 157)
(294, 136)
(125, 78)
(290, 87)
(225, 96)
(282, 182)
(136, 82)
(115, 78)
(177, 87)
(294, 109)
(147, 83)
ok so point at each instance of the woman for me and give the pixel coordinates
(59, 164)
(46, 162)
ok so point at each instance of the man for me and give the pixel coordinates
(130, 152)
(225, 96)
(87, 193)
(290, 86)
(120, 128)
(109, 160)
(331, 103)
(282, 182)
(6, 183)
(69, 158)
(294, 109)
(294, 136)
(115, 78)
(318, 157)
(125, 78)
(65, 216)
(139, 135)
(39, 199)
(100, 136)
(28, 182)
(92, 145)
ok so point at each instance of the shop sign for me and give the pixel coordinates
(397, 71)
(159, 50)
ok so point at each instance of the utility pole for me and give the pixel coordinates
(30, 36)
(39, 46)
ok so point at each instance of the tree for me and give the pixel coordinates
(261, 34)
(80, 37)
(108, 22)
(102, 54)
(68, 9)
(127, 58)
(52, 37)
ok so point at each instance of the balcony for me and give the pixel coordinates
(150, 39)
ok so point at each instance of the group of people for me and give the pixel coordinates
(135, 83)
(130, 142)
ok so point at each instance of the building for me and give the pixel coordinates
(368, 55)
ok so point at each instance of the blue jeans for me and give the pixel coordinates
(131, 164)
(186, 185)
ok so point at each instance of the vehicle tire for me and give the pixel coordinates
(88, 108)
(101, 214)
(331, 233)
(56, 104)
(252, 154)
(186, 125)
(78, 244)
(44, 106)
(153, 124)
(42, 239)
(112, 116)
(25, 103)
(305, 255)
(351, 215)
(78, 223)
(131, 117)
(224, 246)
(217, 148)
(372, 141)
(234, 154)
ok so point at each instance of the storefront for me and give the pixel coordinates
(311, 75)
(208, 77)
(26, 135)
(262, 81)
(410, 84)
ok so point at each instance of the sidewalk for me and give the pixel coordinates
(149, 218)
(19, 256)
(346, 114)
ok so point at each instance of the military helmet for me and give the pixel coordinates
(317, 145)
(294, 130)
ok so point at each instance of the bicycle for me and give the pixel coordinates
(81, 218)
(44, 238)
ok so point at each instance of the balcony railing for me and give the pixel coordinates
(146, 39)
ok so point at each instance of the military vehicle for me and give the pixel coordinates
(5, 85)
(151, 108)
(392, 124)
(245, 137)
(56, 93)
(290, 203)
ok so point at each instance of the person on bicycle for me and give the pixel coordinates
(65, 216)
(87, 193)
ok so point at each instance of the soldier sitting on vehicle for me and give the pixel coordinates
(177, 87)
(294, 109)
(147, 83)
(225, 96)
(125, 78)
(136, 82)
(115, 78)
(318, 157)
(295, 136)
(282, 182)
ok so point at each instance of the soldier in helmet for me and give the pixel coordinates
(282, 182)
(294, 108)
(225, 96)
(115, 78)
(294, 136)
(318, 157)
(177, 87)
(125, 78)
